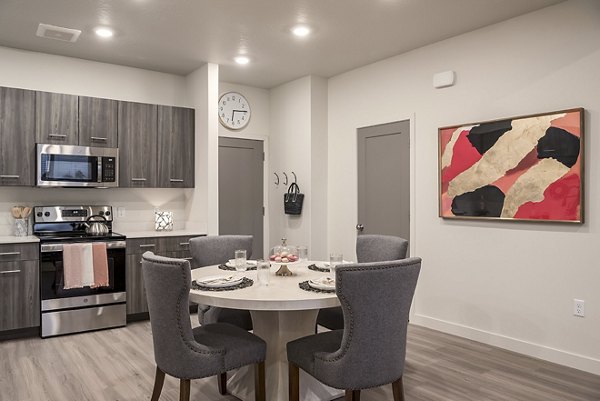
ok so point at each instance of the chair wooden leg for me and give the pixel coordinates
(294, 382)
(159, 380)
(398, 390)
(352, 395)
(260, 393)
(222, 383)
(184, 390)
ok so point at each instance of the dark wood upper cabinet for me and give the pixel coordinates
(98, 122)
(56, 118)
(17, 136)
(137, 145)
(175, 147)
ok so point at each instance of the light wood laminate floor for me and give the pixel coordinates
(118, 365)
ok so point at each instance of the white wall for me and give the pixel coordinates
(202, 204)
(290, 145)
(38, 71)
(504, 283)
(298, 144)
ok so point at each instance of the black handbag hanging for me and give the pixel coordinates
(293, 200)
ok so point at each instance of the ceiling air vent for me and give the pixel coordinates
(58, 33)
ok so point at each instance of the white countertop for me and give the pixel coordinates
(152, 233)
(11, 239)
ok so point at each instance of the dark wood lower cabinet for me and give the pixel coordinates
(19, 293)
(136, 292)
(173, 247)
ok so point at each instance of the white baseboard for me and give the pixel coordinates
(554, 355)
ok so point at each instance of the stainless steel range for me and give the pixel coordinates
(76, 308)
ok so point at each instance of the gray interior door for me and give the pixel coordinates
(384, 179)
(241, 189)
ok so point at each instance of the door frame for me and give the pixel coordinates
(412, 176)
(265, 141)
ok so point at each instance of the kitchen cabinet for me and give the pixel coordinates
(174, 247)
(98, 122)
(56, 118)
(138, 141)
(17, 136)
(175, 147)
(19, 286)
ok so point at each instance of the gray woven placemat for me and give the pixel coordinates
(318, 269)
(246, 282)
(225, 267)
(306, 287)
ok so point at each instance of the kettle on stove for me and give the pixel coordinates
(94, 227)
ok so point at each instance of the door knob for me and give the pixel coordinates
(360, 227)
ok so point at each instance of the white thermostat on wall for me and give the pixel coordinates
(443, 79)
(234, 110)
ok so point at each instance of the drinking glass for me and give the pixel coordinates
(263, 271)
(303, 253)
(334, 260)
(241, 265)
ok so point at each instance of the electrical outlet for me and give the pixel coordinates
(121, 212)
(579, 307)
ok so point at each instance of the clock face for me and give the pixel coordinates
(234, 110)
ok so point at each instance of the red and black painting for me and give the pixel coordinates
(524, 168)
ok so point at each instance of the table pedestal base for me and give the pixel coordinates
(277, 329)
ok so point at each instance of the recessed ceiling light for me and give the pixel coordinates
(104, 32)
(301, 31)
(242, 60)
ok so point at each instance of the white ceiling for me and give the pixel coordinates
(178, 36)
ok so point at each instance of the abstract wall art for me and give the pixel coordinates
(523, 168)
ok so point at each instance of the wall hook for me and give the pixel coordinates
(276, 179)
(295, 179)
(286, 178)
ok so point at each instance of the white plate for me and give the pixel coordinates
(249, 263)
(323, 283)
(220, 281)
(326, 264)
(284, 263)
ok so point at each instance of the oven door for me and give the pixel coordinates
(53, 294)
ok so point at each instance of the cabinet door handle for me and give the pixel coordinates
(13, 176)
(98, 138)
(60, 136)
(10, 253)
(184, 243)
(176, 180)
(10, 271)
(138, 179)
(147, 245)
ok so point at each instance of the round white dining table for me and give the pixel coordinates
(281, 312)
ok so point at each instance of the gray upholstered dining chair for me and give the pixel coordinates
(214, 250)
(186, 353)
(371, 349)
(369, 248)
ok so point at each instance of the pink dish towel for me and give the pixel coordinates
(78, 265)
(100, 262)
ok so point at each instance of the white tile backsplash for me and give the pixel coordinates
(139, 204)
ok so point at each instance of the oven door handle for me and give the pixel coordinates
(45, 248)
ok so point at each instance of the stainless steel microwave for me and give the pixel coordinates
(77, 166)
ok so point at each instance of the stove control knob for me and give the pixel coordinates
(101, 213)
(47, 214)
(39, 214)
(106, 214)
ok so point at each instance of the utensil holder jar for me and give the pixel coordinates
(21, 227)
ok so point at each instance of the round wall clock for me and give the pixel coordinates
(234, 110)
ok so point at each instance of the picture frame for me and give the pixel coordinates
(526, 168)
